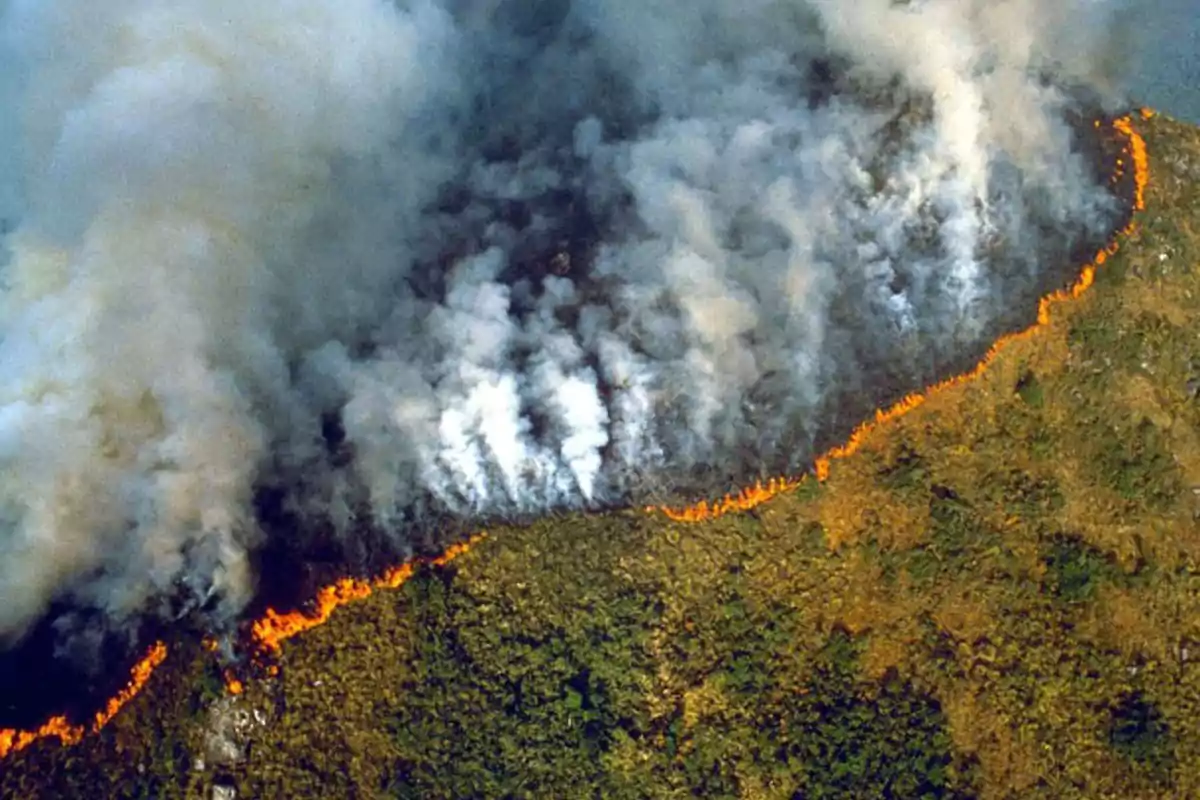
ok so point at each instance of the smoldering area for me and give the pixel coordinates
(299, 291)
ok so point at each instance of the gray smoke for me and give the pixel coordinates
(490, 257)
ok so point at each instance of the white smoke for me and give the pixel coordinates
(526, 254)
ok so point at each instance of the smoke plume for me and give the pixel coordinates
(393, 262)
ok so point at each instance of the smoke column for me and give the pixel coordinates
(394, 262)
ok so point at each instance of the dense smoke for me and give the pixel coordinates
(393, 261)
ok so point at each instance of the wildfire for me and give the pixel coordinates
(268, 633)
(273, 628)
(744, 500)
(11, 741)
(1135, 151)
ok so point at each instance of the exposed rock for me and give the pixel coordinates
(229, 729)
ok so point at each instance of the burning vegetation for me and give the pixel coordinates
(267, 633)
(293, 294)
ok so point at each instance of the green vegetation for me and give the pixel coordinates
(1139, 733)
(997, 597)
(1138, 465)
(565, 694)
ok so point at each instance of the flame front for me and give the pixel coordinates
(273, 628)
(11, 740)
(1135, 151)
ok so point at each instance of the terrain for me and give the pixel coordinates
(994, 594)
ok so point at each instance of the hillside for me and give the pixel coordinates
(997, 595)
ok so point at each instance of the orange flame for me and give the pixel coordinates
(273, 628)
(11, 740)
(744, 500)
(747, 499)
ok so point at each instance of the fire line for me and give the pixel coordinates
(750, 497)
(270, 631)
(273, 628)
(11, 740)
